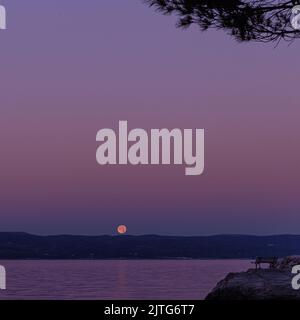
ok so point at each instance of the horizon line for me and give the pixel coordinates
(149, 234)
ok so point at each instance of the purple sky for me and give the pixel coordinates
(69, 68)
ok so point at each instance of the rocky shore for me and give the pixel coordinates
(259, 284)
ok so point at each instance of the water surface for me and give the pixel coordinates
(115, 279)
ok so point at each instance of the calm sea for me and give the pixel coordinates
(115, 279)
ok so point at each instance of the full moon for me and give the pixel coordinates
(122, 229)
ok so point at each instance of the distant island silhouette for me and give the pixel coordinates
(18, 245)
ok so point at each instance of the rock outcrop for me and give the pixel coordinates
(288, 263)
(259, 284)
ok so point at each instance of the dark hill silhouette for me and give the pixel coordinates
(27, 246)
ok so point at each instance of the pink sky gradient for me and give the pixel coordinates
(69, 68)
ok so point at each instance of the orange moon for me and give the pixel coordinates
(122, 229)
